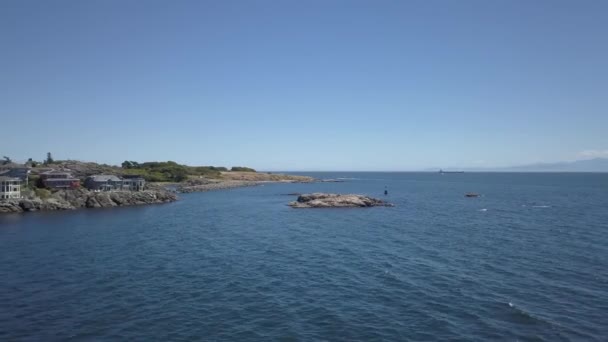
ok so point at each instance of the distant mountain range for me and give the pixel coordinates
(588, 165)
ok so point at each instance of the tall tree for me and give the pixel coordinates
(49, 158)
(31, 162)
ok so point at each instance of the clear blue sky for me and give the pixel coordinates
(305, 85)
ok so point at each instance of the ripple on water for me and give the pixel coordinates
(240, 265)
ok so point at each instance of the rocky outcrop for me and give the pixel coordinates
(76, 197)
(10, 206)
(322, 200)
(82, 198)
(54, 204)
(33, 204)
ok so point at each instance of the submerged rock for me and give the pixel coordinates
(323, 200)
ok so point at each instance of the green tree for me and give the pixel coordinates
(242, 169)
(31, 162)
(7, 160)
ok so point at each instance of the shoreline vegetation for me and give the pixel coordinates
(232, 179)
(164, 180)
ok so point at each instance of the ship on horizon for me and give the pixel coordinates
(442, 172)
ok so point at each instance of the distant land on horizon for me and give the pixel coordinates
(587, 165)
(583, 165)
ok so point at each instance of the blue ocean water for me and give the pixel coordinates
(528, 260)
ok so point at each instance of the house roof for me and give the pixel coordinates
(56, 172)
(16, 172)
(104, 178)
(50, 180)
(4, 178)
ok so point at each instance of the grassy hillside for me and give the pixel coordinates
(168, 171)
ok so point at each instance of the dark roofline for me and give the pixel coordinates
(61, 179)
(5, 178)
(56, 171)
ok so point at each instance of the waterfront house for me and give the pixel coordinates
(58, 179)
(133, 182)
(103, 183)
(10, 187)
(112, 183)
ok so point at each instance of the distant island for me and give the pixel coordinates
(70, 184)
(583, 165)
(587, 165)
(442, 171)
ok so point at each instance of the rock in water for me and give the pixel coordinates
(322, 200)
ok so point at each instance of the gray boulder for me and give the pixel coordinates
(55, 204)
(77, 198)
(30, 204)
(92, 202)
(10, 206)
(104, 199)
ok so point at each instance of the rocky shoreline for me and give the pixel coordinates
(82, 198)
(156, 193)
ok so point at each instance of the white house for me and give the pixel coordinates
(10, 187)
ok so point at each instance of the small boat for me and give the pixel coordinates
(471, 194)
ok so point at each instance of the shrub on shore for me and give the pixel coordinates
(242, 169)
(169, 171)
(42, 193)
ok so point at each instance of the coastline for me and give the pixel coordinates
(231, 180)
(82, 199)
(156, 193)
